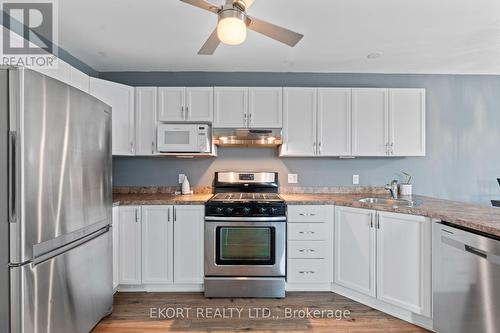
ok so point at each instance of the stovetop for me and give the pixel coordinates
(246, 197)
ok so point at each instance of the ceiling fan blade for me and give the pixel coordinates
(203, 5)
(273, 31)
(210, 45)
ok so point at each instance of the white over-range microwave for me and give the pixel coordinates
(184, 138)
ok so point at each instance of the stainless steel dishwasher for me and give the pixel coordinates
(466, 278)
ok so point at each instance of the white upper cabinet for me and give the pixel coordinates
(79, 80)
(230, 107)
(171, 103)
(145, 118)
(404, 261)
(334, 122)
(130, 245)
(157, 244)
(61, 72)
(188, 244)
(370, 117)
(407, 122)
(199, 104)
(185, 104)
(265, 107)
(355, 239)
(121, 98)
(299, 121)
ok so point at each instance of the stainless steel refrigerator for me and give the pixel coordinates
(55, 205)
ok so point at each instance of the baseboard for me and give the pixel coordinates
(158, 288)
(390, 309)
(308, 287)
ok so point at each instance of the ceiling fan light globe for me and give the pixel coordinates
(231, 30)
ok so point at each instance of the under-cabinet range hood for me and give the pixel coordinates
(233, 137)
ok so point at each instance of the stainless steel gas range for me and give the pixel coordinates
(245, 236)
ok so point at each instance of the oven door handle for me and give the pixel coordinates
(245, 219)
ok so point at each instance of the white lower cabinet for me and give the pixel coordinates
(404, 261)
(116, 246)
(160, 246)
(386, 256)
(188, 244)
(157, 239)
(355, 249)
(309, 250)
(130, 245)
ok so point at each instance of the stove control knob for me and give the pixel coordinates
(229, 210)
(219, 210)
(246, 210)
(263, 210)
(274, 210)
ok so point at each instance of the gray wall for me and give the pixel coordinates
(463, 137)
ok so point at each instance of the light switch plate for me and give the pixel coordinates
(355, 179)
(293, 178)
(181, 178)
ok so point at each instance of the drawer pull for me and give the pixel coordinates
(307, 232)
(306, 272)
(307, 214)
(307, 250)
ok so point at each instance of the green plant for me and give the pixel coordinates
(407, 177)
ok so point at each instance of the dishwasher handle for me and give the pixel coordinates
(475, 251)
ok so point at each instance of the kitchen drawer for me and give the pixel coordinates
(309, 231)
(309, 213)
(308, 271)
(309, 250)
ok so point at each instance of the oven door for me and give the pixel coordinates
(242, 248)
(178, 138)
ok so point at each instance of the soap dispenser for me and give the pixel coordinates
(186, 189)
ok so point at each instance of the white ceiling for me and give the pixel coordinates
(413, 36)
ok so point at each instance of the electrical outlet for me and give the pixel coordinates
(181, 178)
(293, 178)
(355, 179)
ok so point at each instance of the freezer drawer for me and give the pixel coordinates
(70, 292)
(466, 281)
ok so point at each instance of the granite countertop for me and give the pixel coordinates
(472, 216)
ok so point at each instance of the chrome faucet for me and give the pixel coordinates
(393, 188)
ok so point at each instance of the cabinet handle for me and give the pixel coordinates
(307, 272)
(250, 119)
(131, 147)
(245, 120)
(152, 147)
(319, 148)
(371, 222)
(182, 112)
(307, 232)
(187, 112)
(175, 215)
(307, 250)
(378, 221)
(136, 215)
(307, 214)
(314, 147)
(387, 148)
(392, 148)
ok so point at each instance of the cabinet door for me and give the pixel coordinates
(265, 107)
(334, 121)
(130, 245)
(121, 98)
(116, 246)
(370, 116)
(355, 249)
(230, 107)
(157, 244)
(171, 104)
(200, 104)
(299, 120)
(145, 113)
(407, 122)
(404, 261)
(79, 80)
(188, 244)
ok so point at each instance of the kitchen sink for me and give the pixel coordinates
(390, 202)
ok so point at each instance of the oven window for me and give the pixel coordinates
(245, 245)
(176, 137)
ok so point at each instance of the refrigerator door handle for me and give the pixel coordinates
(70, 246)
(12, 177)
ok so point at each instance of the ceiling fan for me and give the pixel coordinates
(233, 22)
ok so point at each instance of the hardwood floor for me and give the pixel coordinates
(194, 313)
(191, 312)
